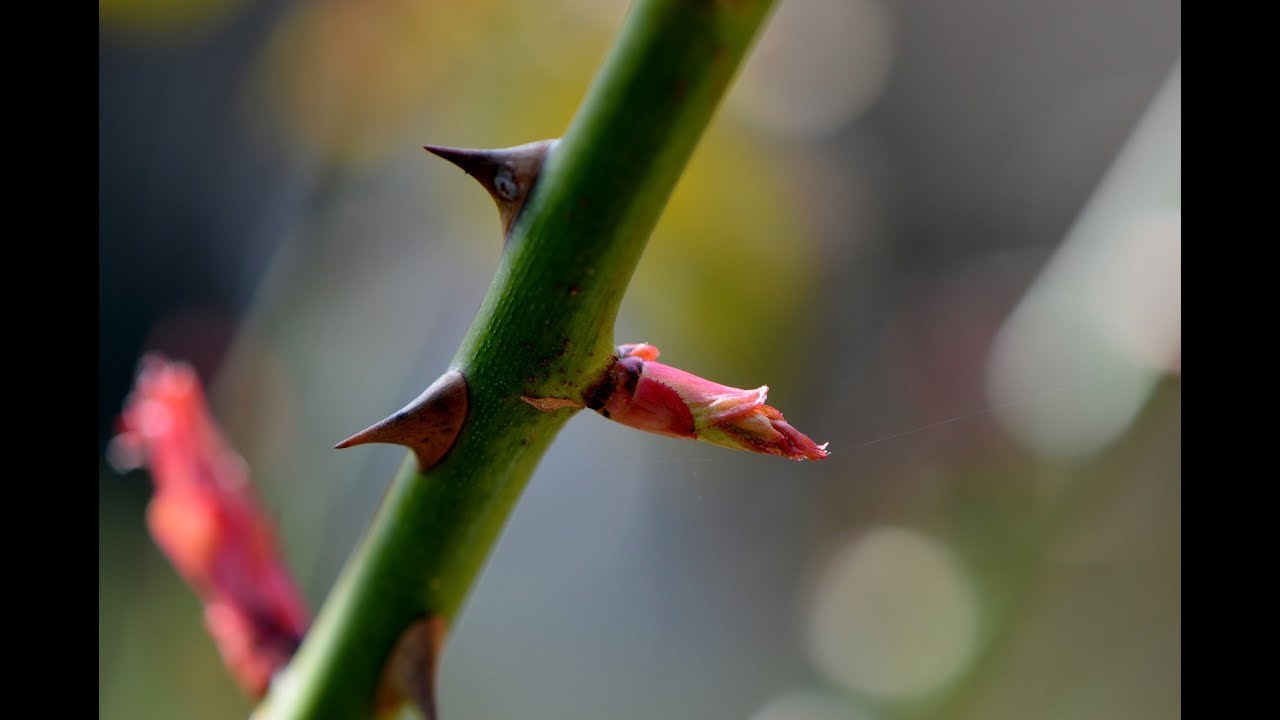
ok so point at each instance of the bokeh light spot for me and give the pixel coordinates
(1103, 320)
(1140, 307)
(894, 616)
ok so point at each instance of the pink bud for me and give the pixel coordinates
(647, 395)
(205, 517)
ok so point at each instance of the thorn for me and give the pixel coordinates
(428, 426)
(552, 404)
(508, 174)
(410, 672)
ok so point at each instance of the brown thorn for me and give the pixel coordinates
(551, 404)
(409, 674)
(508, 174)
(428, 426)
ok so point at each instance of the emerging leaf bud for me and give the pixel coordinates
(645, 394)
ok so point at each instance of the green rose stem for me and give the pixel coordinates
(545, 329)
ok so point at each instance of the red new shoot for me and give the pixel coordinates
(205, 517)
(645, 394)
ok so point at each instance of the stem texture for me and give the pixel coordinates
(545, 329)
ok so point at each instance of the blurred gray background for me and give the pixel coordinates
(908, 219)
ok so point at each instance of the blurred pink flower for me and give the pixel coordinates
(205, 517)
(647, 395)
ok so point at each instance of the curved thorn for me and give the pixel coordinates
(410, 672)
(508, 173)
(428, 426)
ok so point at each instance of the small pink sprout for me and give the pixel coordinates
(205, 517)
(647, 395)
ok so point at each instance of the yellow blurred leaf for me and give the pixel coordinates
(161, 18)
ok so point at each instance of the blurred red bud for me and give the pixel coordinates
(205, 517)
